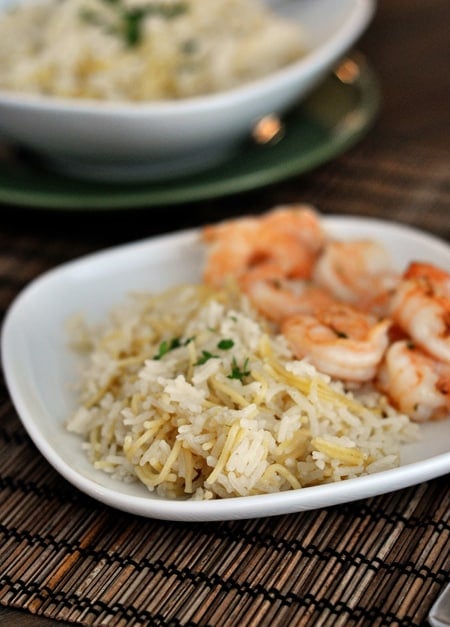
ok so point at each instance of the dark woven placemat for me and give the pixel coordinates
(380, 561)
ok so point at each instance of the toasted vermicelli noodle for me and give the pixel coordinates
(192, 394)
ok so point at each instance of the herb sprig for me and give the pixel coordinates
(206, 356)
(167, 346)
(128, 22)
(237, 372)
(223, 345)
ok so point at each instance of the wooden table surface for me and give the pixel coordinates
(380, 561)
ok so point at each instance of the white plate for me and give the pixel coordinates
(39, 369)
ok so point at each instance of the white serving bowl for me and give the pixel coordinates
(143, 141)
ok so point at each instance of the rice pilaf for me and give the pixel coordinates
(141, 50)
(194, 395)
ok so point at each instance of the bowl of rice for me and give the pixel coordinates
(151, 89)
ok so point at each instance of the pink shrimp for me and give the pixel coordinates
(229, 250)
(416, 384)
(301, 220)
(282, 243)
(340, 341)
(420, 306)
(278, 299)
(358, 272)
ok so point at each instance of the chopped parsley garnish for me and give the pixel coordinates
(206, 355)
(128, 22)
(237, 372)
(167, 346)
(225, 344)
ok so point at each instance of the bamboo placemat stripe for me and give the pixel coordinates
(370, 555)
(255, 586)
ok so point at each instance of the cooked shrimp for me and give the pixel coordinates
(278, 299)
(282, 243)
(301, 220)
(421, 308)
(229, 248)
(357, 272)
(340, 341)
(416, 384)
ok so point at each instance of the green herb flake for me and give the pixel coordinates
(225, 344)
(237, 372)
(166, 346)
(129, 21)
(163, 348)
(132, 26)
(206, 355)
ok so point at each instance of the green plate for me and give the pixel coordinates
(333, 118)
